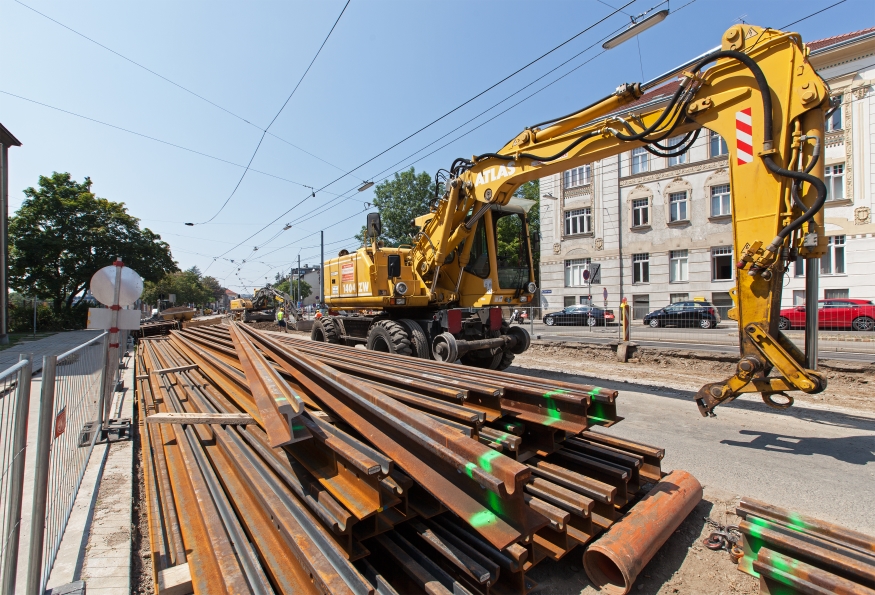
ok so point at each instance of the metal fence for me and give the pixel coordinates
(14, 404)
(70, 397)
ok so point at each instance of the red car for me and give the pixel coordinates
(838, 313)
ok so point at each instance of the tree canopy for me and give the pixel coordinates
(63, 234)
(399, 201)
(190, 287)
(292, 288)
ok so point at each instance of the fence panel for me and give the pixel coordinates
(77, 393)
(14, 404)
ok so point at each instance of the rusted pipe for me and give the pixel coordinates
(614, 561)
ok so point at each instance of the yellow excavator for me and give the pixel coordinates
(441, 297)
(261, 307)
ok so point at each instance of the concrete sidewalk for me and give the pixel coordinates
(54, 345)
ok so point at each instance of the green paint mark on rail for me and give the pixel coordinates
(485, 460)
(469, 469)
(482, 518)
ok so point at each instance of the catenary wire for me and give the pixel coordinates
(258, 146)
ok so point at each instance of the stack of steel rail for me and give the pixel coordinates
(792, 553)
(155, 328)
(308, 466)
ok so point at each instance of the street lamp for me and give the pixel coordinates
(365, 186)
(635, 29)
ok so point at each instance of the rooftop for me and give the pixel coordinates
(836, 39)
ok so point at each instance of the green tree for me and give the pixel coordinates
(63, 234)
(292, 288)
(186, 285)
(214, 287)
(399, 201)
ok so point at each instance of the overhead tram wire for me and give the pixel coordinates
(344, 197)
(436, 120)
(258, 146)
(175, 84)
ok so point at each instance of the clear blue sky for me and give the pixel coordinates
(388, 69)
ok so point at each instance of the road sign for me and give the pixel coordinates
(586, 275)
(101, 318)
(605, 293)
(103, 286)
(546, 291)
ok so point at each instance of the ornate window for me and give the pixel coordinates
(721, 263)
(677, 159)
(717, 145)
(720, 203)
(677, 207)
(834, 122)
(641, 268)
(641, 212)
(579, 176)
(639, 160)
(574, 272)
(834, 176)
(833, 262)
(678, 266)
(578, 221)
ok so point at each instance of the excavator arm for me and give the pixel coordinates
(758, 91)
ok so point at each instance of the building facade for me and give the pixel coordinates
(660, 229)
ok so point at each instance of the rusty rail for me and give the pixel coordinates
(790, 552)
(408, 475)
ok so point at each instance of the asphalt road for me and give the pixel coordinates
(723, 339)
(813, 461)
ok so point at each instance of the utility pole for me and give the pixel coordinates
(321, 268)
(300, 302)
(6, 141)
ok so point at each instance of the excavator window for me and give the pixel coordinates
(512, 252)
(478, 264)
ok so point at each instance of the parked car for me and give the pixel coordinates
(838, 313)
(701, 314)
(580, 315)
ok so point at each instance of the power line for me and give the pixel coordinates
(436, 120)
(174, 83)
(814, 13)
(258, 146)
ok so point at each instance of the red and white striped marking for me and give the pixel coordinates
(743, 136)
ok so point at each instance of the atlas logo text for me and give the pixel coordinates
(491, 175)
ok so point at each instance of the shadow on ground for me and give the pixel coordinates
(856, 450)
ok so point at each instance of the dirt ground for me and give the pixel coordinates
(682, 566)
(850, 384)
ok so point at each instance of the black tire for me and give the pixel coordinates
(784, 324)
(481, 358)
(549, 320)
(506, 361)
(324, 331)
(418, 339)
(389, 336)
(863, 323)
(706, 323)
(654, 323)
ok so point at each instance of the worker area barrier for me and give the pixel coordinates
(14, 404)
(69, 399)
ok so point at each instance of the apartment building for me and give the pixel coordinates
(661, 230)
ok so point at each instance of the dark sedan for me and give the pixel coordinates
(580, 315)
(701, 314)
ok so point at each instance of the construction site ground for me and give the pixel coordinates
(816, 458)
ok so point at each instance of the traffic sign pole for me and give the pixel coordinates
(112, 349)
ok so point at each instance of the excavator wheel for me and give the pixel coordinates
(389, 336)
(482, 359)
(506, 361)
(418, 339)
(324, 331)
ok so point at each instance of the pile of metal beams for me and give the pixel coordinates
(275, 464)
(792, 553)
(155, 328)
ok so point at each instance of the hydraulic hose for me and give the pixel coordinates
(586, 136)
(815, 155)
(655, 125)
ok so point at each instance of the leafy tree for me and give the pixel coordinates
(186, 285)
(399, 201)
(215, 288)
(292, 288)
(63, 234)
